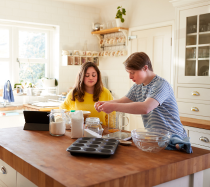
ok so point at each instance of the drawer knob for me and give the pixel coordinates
(204, 139)
(3, 170)
(194, 109)
(195, 93)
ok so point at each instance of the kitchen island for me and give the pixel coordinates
(43, 160)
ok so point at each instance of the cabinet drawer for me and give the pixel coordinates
(9, 178)
(193, 93)
(194, 109)
(197, 137)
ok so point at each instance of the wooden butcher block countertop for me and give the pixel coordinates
(43, 159)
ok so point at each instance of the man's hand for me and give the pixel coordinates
(97, 104)
(107, 107)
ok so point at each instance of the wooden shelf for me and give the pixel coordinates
(107, 31)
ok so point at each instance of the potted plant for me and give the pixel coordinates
(119, 16)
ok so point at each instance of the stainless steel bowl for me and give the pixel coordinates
(96, 26)
(151, 139)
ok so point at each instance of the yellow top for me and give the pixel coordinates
(88, 104)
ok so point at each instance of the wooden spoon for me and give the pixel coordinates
(124, 142)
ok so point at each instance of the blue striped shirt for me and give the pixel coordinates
(166, 115)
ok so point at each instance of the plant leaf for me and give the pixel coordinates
(123, 11)
(118, 7)
(122, 20)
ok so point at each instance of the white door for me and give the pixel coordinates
(156, 43)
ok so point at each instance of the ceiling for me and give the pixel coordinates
(93, 3)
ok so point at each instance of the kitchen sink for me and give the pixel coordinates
(10, 105)
(7, 106)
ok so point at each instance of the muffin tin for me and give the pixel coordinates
(93, 146)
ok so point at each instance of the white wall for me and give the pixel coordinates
(139, 13)
(75, 27)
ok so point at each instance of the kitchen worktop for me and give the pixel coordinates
(43, 159)
(11, 107)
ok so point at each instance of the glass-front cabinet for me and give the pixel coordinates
(194, 46)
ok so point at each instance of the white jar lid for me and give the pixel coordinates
(92, 120)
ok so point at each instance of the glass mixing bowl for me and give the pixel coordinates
(151, 139)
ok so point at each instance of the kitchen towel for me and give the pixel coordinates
(184, 144)
(8, 94)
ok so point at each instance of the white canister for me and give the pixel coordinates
(48, 83)
(77, 123)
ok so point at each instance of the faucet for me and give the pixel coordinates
(4, 103)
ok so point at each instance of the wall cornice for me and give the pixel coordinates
(181, 3)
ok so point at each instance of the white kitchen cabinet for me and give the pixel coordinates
(200, 138)
(9, 177)
(24, 182)
(192, 54)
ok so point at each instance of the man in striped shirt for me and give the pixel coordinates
(151, 96)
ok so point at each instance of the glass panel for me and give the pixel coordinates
(191, 53)
(4, 43)
(192, 24)
(190, 67)
(31, 72)
(203, 52)
(204, 23)
(191, 40)
(32, 44)
(204, 38)
(203, 67)
(4, 72)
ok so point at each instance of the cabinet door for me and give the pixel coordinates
(9, 178)
(24, 182)
(194, 46)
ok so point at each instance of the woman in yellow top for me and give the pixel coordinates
(87, 91)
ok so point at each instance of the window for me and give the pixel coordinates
(24, 54)
(5, 56)
(32, 55)
(32, 45)
(4, 43)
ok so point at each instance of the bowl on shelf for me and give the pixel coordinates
(151, 139)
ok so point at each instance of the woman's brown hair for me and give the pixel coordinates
(137, 61)
(79, 88)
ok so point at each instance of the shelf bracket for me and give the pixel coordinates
(125, 32)
(98, 36)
